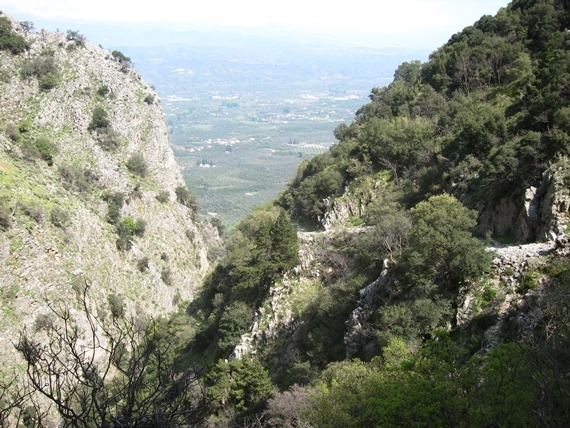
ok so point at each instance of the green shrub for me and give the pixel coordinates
(127, 226)
(43, 322)
(59, 217)
(99, 120)
(34, 211)
(235, 320)
(103, 90)
(240, 385)
(140, 227)
(9, 40)
(217, 223)
(46, 149)
(186, 198)
(47, 82)
(29, 150)
(5, 217)
(27, 26)
(116, 305)
(529, 281)
(75, 178)
(166, 276)
(137, 164)
(115, 202)
(13, 133)
(125, 61)
(40, 66)
(142, 264)
(127, 229)
(489, 294)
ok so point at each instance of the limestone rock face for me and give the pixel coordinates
(541, 214)
(555, 208)
(42, 258)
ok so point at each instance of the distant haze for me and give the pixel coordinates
(423, 24)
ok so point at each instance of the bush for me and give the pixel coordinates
(99, 120)
(186, 198)
(115, 202)
(242, 384)
(125, 61)
(9, 40)
(166, 276)
(137, 164)
(29, 150)
(46, 149)
(103, 90)
(140, 227)
(76, 37)
(27, 26)
(59, 217)
(142, 264)
(25, 126)
(75, 178)
(40, 66)
(442, 251)
(235, 320)
(34, 211)
(128, 228)
(13, 133)
(116, 306)
(5, 217)
(48, 81)
(43, 322)
(529, 281)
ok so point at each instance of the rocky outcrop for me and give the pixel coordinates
(357, 338)
(554, 212)
(542, 213)
(350, 208)
(339, 211)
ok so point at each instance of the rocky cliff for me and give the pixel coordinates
(90, 192)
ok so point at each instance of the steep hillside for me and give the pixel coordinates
(415, 296)
(483, 120)
(421, 297)
(90, 192)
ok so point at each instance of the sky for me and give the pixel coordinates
(421, 24)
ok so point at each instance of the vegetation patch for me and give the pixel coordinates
(9, 40)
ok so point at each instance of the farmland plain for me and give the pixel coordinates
(243, 115)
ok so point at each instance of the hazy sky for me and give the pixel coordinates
(395, 23)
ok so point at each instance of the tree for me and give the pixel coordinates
(242, 384)
(76, 37)
(119, 371)
(442, 252)
(234, 321)
(122, 59)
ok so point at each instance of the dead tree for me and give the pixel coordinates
(117, 371)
